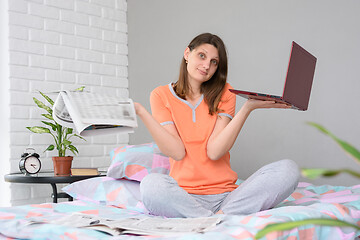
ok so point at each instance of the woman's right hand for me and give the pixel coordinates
(166, 137)
(138, 108)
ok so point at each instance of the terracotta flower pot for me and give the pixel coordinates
(62, 165)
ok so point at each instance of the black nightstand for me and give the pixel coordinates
(48, 178)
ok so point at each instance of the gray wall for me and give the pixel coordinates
(258, 35)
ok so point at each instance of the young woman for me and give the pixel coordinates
(193, 122)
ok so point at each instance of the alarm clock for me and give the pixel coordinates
(30, 162)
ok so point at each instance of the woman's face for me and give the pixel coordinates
(202, 62)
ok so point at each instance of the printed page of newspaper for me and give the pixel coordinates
(141, 225)
(94, 113)
(61, 114)
(166, 226)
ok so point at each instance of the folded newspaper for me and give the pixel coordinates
(94, 113)
(140, 225)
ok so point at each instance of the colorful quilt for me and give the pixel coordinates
(308, 201)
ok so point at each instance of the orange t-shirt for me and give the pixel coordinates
(196, 173)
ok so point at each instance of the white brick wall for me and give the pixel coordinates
(57, 44)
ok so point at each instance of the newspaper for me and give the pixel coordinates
(141, 225)
(94, 113)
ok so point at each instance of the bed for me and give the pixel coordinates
(117, 196)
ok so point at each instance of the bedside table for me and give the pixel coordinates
(49, 178)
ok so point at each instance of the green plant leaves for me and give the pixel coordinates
(37, 129)
(315, 221)
(347, 147)
(313, 173)
(42, 105)
(79, 137)
(80, 89)
(73, 149)
(53, 126)
(50, 148)
(48, 116)
(47, 98)
(66, 142)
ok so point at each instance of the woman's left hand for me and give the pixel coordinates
(226, 131)
(253, 104)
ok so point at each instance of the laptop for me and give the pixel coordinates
(299, 78)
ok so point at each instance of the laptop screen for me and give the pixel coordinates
(299, 77)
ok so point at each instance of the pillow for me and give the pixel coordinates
(108, 191)
(134, 162)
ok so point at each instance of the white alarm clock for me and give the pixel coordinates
(30, 162)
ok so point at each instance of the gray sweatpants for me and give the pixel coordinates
(266, 188)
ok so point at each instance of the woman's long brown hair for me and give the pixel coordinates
(213, 88)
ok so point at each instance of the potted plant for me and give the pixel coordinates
(62, 137)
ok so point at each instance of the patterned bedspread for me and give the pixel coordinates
(308, 201)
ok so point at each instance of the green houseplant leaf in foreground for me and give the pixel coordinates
(347, 147)
(315, 221)
(313, 173)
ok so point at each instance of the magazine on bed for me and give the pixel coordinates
(94, 113)
(140, 225)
